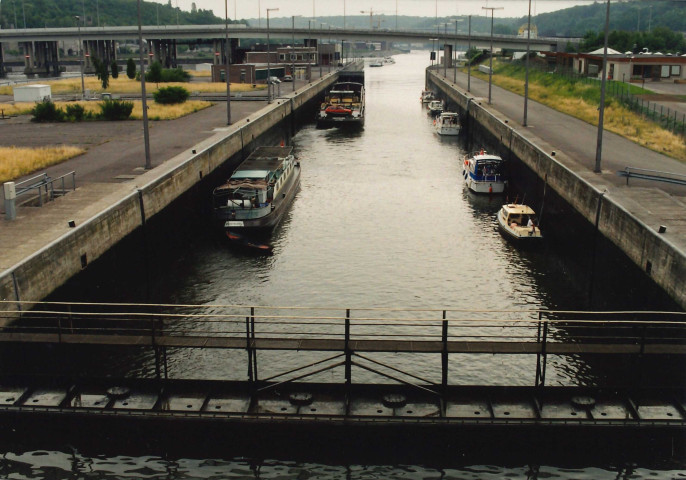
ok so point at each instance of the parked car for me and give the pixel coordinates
(274, 80)
(287, 78)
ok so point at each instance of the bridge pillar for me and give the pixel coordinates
(27, 48)
(89, 46)
(217, 48)
(3, 71)
(165, 52)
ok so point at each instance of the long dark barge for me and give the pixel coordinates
(405, 410)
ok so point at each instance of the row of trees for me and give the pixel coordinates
(660, 39)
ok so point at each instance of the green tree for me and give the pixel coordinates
(115, 69)
(102, 71)
(131, 68)
(155, 73)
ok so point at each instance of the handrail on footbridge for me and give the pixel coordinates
(350, 333)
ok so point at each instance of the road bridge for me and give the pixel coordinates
(41, 53)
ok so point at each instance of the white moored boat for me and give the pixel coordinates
(484, 173)
(435, 107)
(517, 222)
(448, 123)
(427, 96)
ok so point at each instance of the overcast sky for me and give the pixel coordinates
(426, 8)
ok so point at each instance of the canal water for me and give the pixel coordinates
(382, 220)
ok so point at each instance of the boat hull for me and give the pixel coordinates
(267, 222)
(448, 131)
(342, 122)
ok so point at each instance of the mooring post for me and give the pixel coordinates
(10, 192)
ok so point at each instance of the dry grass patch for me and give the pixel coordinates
(19, 161)
(156, 111)
(618, 119)
(124, 85)
(19, 108)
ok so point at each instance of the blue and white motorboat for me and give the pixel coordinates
(484, 173)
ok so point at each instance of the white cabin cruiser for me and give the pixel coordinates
(517, 222)
(484, 173)
(448, 123)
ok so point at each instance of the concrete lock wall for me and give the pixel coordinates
(655, 255)
(40, 274)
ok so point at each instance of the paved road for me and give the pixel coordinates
(116, 150)
(575, 138)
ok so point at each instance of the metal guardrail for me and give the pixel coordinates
(44, 187)
(655, 175)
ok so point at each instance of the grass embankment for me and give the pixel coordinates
(19, 161)
(127, 86)
(581, 100)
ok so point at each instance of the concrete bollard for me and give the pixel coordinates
(10, 199)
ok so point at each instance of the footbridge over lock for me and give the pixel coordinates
(266, 396)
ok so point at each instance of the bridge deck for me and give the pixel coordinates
(367, 345)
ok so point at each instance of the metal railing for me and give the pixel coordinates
(351, 336)
(44, 187)
(656, 175)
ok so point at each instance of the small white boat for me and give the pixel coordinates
(427, 96)
(435, 107)
(448, 123)
(376, 63)
(484, 173)
(517, 222)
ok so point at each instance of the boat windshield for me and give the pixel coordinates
(489, 167)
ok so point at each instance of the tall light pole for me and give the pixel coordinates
(146, 135)
(83, 60)
(445, 60)
(433, 49)
(469, 61)
(269, 90)
(490, 64)
(343, 14)
(259, 15)
(319, 49)
(457, 20)
(227, 62)
(293, 53)
(526, 67)
(601, 114)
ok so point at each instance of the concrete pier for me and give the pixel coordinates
(628, 215)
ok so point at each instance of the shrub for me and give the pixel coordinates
(46, 111)
(115, 69)
(175, 75)
(116, 109)
(155, 73)
(75, 112)
(130, 68)
(170, 95)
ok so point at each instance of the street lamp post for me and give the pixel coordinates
(469, 61)
(269, 90)
(144, 105)
(319, 48)
(227, 52)
(601, 113)
(526, 67)
(490, 63)
(445, 60)
(293, 52)
(83, 60)
(433, 50)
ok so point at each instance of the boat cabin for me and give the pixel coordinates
(516, 215)
(254, 183)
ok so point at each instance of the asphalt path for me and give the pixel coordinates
(577, 139)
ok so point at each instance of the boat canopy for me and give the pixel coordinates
(253, 174)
